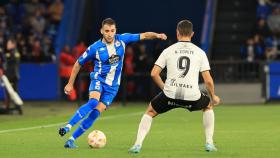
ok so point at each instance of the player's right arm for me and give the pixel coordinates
(159, 65)
(155, 74)
(208, 80)
(75, 70)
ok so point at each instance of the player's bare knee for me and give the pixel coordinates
(150, 111)
(209, 107)
(95, 95)
(101, 107)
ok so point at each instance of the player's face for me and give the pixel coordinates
(108, 32)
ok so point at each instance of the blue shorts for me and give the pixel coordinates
(107, 93)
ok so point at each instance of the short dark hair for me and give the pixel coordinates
(185, 27)
(108, 21)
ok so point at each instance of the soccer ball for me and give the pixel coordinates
(96, 139)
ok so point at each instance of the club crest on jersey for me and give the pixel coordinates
(118, 43)
(113, 59)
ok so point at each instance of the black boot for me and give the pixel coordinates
(19, 109)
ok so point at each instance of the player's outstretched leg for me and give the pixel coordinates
(80, 114)
(86, 124)
(143, 129)
(208, 123)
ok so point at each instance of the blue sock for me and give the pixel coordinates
(86, 124)
(83, 111)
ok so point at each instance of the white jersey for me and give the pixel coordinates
(184, 61)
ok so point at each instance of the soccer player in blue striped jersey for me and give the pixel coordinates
(107, 54)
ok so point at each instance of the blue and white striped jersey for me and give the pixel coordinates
(108, 58)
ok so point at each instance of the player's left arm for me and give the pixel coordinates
(155, 74)
(128, 37)
(152, 35)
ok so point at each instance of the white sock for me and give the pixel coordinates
(143, 129)
(208, 123)
(69, 126)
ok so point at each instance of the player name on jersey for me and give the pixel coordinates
(182, 85)
(184, 52)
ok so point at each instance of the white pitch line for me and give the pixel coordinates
(62, 123)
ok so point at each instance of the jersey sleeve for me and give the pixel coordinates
(204, 63)
(128, 37)
(161, 61)
(88, 55)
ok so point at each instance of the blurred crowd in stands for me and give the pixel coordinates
(264, 44)
(34, 25)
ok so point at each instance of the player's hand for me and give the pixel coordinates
(68, 88)
(162, 36)
(216, 100)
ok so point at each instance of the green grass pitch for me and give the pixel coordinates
(241, 131)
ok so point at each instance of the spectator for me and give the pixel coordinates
(80, 49)
(38, 23)
(4, 18)
(129, 71)
(4, 28)
(67, 61)
(32, 6)
(15, 10)
(250, 54)
(12, 57)
(129, 65)
(48, 50)
(262, 28)
(21, 45)
(258, 47)
(253, 49)
(143, 60)
(272, 44)
(263, 9)
(274, 20)
(55, 11)
(274, 3)
(37, 51)
(2, 42)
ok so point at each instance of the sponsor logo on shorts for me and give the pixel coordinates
(172, 103)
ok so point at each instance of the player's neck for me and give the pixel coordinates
(108, 43)
(184, 39)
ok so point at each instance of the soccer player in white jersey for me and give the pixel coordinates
(184, 61)
(107, 54)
